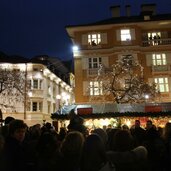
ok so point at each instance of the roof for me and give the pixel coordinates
(49, 62)
(59, 68)
(64, 67)
(126, 19)
(12, 59)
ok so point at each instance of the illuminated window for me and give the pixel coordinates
(127, 83)
(154, 38)
(95, 62)
(162, 84)
(96, 88)
(125, 35)
(94, 39)
(159, 59)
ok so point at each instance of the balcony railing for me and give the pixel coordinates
(37, 93)
(161, 68)
(92, 71)
(95, 71)
(156, 42)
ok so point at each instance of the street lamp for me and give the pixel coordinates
(75, 48)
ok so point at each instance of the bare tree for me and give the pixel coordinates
(12, 88)
(124, 82)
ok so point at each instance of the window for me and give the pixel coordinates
(34, 106)
(29, 84)
(162, 84)
(95, 62)
(159, 59)
(94, 39)
(35, 84)
(154, 38)
(54, 107)
(49, 107)
(127, 83)
(96, 88)
(37, 106)
(40, 84)
(54, 90)
(125, 35)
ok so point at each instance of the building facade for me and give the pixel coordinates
(48, 86)
(146, 37)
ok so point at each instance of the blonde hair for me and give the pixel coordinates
(72, 143)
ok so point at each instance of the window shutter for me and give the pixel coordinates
(104, 38)
(149, 59)
(132, 34)
(135, 56)
(85, 88)
(118, 35)
(168, 58)
(150, 80)
(119, 56)
(85, 63)
(84, 39)
(164, 35)
(105, 61)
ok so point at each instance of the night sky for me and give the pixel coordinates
(37, 27)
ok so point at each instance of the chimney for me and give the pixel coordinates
(151, 8)
(115, 11)
(128, 10)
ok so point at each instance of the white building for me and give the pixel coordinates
(49, 86)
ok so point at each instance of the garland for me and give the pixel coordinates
(55, 116)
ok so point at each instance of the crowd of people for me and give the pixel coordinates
(76, 149)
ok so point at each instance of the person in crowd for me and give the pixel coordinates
(5, 127)
(94, 155)
(124, 155)
(62, 133)
(48, 156)
(111, 140)
(2, 142)
(76, 123)
(31, 140)
(47, 127)
(156, 148)
(167, 140)
(102, 134)
(138, 133)
(14, 154)
(71, 150)
(149, 125)
(125, 127)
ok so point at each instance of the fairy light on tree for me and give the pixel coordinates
(124, 82)
(12, 88)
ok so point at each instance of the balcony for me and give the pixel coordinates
(37, 93)
(95, 71)
(92, 72)
(161, 68)
(156, 42)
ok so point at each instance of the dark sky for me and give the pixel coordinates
(36, 27)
